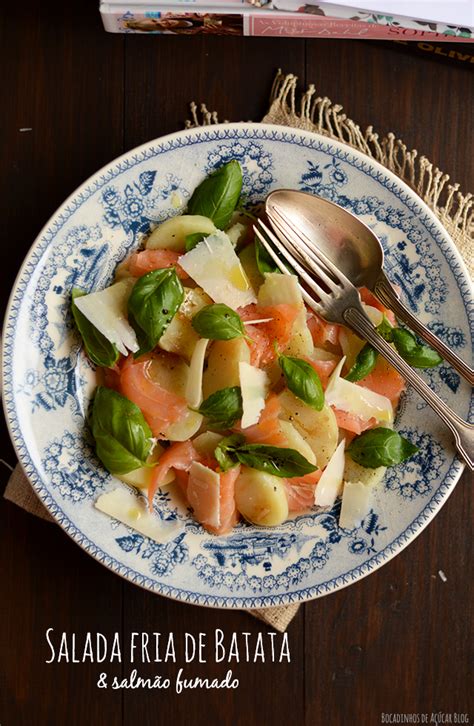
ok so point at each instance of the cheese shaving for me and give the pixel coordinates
(131, 510)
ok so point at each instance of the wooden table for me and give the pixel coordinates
(397, 641)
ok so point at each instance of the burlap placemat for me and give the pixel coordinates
(454, 209)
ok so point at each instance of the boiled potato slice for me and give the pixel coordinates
(237, 233)
(249, 263)
(350, 343)
(261, 498)
(171, 235)
(180, 336)
(206, 443)
(321, 354)
(355, 472)
(141, 478)
(223, 365)
(318, 428)
(280, 289)
(184, 429)
(170, 372)
(296, 441)
(301, 341)
(351, 346)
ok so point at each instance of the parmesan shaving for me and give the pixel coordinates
(214, 265)
(255, 322)
(357, 400)
(107, 311)
(329, 486)
(193, 393)
(131, 510)
(355, 504)
(254, 386)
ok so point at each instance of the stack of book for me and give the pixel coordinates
(419, 20)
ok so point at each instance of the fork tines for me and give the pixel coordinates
(326, 269)
(301, 260)
(293, 265)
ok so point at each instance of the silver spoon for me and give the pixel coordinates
(340, 303)
(356, 251)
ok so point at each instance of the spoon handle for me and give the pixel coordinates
(463, 432)
(385, 292)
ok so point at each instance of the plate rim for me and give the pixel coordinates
(225, 601)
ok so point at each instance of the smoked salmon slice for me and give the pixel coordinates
(352, 422)
(178, 456)
(112, 378)
(181, 478)
(323, 368)
(321, 331)
(300, 491)
(384, 380)
(369, 298)
(142, 262)
(267, 430)
(264, 335)
(228, 511)
(201, 496)
(159, 406)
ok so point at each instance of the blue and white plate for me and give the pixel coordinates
(48, 380)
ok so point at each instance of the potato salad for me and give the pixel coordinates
(216, 381)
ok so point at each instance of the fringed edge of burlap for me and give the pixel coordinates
(453, 208)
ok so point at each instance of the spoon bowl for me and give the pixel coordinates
(356, 251)
(343, 237)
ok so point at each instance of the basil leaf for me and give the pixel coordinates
(363, 364)
(265, 263)
(380, 447)
(218, 322)
(274, 460)
(303, 381)
(100, 350)
(223, 407)
(417, 355)
(192, 240)
(122, 436)
(385, 329)
(225, 451)
(367, 357)
(217, 196)
(154, 300)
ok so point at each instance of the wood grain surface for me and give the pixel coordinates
(397, 642)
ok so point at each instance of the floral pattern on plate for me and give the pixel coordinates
(48, 381)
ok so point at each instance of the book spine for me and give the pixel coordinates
(170, 20)
(315, 26)
(330, 10)
(162, 19)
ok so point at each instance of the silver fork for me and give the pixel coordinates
(341, 303)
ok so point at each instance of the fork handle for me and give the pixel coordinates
(385, 292)
(462, 431)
